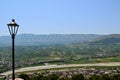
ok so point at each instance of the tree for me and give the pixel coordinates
(38, 77)
(24, 76)
(78, 77)
(116, 77)
(106, 77)
(51, 77)
(95, 77)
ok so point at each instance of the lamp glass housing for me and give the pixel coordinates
(13, 27)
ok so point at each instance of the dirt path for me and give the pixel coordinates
(61, 66)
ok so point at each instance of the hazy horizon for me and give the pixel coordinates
(52, 34)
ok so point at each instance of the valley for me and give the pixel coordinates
(102, 49)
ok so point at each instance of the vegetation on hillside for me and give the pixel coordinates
(105, 50)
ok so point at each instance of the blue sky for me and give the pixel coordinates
(61, 16)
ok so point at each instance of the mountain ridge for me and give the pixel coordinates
(46, 39)
(53, 39)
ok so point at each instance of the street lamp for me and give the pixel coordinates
(13, 28)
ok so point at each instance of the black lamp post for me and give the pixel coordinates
(13, 28)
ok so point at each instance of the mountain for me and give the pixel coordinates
(31, 39)
(104, 46)
(107, 39)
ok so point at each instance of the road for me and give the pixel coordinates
(61, 66)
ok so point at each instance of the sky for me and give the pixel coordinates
(61, 16)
